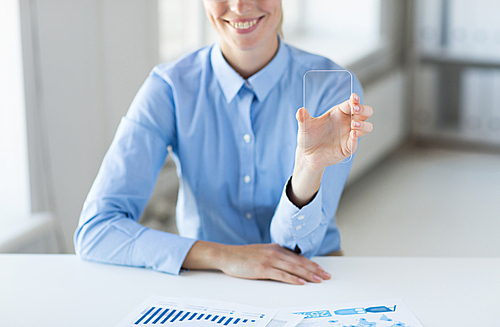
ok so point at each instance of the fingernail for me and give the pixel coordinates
(356, 97)
(327, 275)
(356, 124)
(356, 108)
(317, 278)
(301, 281)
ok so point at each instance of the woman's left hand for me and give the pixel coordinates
(332, 137)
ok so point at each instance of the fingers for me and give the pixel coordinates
(301, 267)
(361, 112)
(346, 106)
(298, 271)
(352, 143)
(270, 261)
(352, 106)
(283, 276)
(361, 127)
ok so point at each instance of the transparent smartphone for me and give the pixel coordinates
(328, 135)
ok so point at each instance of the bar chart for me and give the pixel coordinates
(168, 311)
(160, 316)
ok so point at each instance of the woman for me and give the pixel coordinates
(251, 202)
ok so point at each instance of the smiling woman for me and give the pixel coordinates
(250, 204)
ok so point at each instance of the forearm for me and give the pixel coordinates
(305, 182)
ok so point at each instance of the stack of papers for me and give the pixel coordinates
(187, 311)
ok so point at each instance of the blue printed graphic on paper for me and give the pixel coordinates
(315, 314)
(385, 318)
(355, 311)
(352, 311)
(364, 323)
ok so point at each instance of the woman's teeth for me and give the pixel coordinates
(243, 26)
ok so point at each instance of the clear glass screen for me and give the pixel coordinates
(325, 129)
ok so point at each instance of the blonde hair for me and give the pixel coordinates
(279, 29)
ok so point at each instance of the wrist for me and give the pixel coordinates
(305, 182)
(205, 255)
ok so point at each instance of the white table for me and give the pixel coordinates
(62, 290)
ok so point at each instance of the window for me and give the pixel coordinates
(458, 72)
(14, 172)
(183, 28)
(344, 31)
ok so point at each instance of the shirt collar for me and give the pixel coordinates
(260, 83)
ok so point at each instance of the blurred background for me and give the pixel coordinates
(425, 182)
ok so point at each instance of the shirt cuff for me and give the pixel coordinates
(291, 225)
(162, 251)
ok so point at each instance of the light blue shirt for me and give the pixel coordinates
(233, 141)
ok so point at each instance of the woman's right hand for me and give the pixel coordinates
(255, 261)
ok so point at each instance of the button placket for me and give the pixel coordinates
(247, 163)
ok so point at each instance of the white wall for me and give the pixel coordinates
(93, 57)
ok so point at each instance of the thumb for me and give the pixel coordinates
(302, 116)
(352, 144)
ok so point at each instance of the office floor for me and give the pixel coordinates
(424, 202)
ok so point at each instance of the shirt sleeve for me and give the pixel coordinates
(108, 229)
(305, 229)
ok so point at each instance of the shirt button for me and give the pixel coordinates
(301, 217)
(248, 216)
(247, 138)
(247, 179)
(298, 227)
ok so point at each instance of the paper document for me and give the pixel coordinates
(285, 319)
(160, 311)
(386, 313)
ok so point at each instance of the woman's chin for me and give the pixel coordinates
(249, 42)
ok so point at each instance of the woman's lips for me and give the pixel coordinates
(244, 25)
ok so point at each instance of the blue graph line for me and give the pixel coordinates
(169, 315)
(159, 317)
(140, 319)
(184, 317)
(177, 316)
(152, 316)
